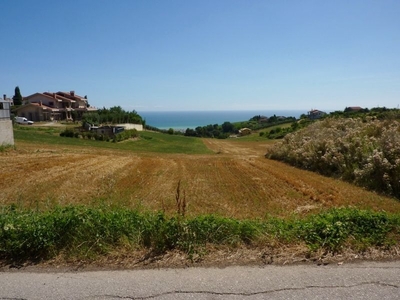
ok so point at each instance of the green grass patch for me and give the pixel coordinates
(147, 141)
(253, 137)
(6, 147)
(87, 232)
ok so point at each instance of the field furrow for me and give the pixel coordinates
(235, 181)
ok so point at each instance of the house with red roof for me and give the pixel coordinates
(58, 106)
(314, 114)
(353, 109)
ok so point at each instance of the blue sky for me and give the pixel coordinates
(205, 55)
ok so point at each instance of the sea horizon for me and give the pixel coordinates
(181, 120)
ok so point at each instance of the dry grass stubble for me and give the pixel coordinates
(239, 182)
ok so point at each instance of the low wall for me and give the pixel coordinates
(6, 132)
(138, 127)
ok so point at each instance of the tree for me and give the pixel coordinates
(228, 127)
(17, 98)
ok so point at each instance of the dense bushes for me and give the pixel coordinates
(358, 228)
(124, 135)
(364, 151)
(121, 136)
(83, 232)
(113, 115)
(227, 128)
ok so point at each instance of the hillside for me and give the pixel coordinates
(233, 180)
(73, 202)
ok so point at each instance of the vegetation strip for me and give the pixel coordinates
(362, 151)
(146, 142)
(84, 232)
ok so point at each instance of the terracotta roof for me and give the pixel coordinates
(39, 105)
(42, 94)
(68, 94)
(58, 97)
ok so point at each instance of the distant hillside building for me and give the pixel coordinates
(315, 114)
(353, 109)
(54, 106)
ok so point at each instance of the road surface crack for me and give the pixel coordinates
(252, 293)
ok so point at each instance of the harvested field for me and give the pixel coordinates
(235, 181)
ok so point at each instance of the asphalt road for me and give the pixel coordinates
(368, 280)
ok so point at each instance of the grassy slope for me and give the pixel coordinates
(148, 141)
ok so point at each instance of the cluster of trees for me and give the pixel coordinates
(377, 112)
(213, 131)
(227, 128)
(262, 122)
(113, 115)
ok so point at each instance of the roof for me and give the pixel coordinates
(71, 95)
(59, 96)
(315, 111)
(355, 108)
(44, 107)
(56, 96)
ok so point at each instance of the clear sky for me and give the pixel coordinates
(205, 55)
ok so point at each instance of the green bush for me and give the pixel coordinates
(363, 152)
(85, 232)
(67, 133)
(124, 135)
(334, 228)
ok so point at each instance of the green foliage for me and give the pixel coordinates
(86, 232)
(113, 115)
(227, 128)
(332, 229)
(362, 151)
(6, 147)
(146, 142)
(17, 98)
(67, 133)
(124, 135)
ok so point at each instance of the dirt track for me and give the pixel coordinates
(235, 181)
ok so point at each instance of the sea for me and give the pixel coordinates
(181, 120)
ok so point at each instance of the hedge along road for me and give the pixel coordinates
(368, 280)
(234, 180)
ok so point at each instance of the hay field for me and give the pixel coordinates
(235, 180)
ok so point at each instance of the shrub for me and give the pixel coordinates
(124, 135)
(67, 133)
(84, 232)
(334, 228)
(365, 153)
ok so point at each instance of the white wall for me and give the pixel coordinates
(138, 127)
(6, 133)
(45, 101)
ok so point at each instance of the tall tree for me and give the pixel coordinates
(17, 96)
